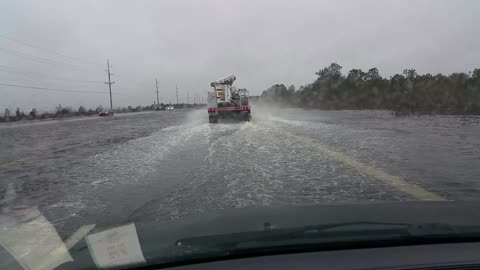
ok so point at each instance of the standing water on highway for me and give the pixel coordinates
(165, 165)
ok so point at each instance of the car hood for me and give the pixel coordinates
(158, 239)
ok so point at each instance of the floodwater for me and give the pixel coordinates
(168, 164)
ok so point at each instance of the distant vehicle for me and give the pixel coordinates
(169, 107)
(228, 101)
(105, 113)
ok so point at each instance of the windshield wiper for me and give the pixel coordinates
(328, 236)
(273, 234)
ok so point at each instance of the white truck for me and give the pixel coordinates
(227, 101)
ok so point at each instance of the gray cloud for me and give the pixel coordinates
(191, 43)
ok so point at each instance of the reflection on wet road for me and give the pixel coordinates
(164, 165)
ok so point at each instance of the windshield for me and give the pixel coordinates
(154, 132)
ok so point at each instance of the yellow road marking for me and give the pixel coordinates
(11, 163)
(66, 148)
(394, 181)
(78, 235)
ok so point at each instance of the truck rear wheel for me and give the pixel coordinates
(212, 119)
(245, 116)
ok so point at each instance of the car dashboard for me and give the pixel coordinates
(436, 256)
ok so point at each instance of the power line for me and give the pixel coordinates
(23, 80)
(41, 75)
(46, 50)
(50, 89)
(43, 60)
(40, 59)
(55, 89)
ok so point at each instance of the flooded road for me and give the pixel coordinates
(165, 165)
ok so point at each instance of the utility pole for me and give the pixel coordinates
(176, 90)
(109, 83)
(156, 85)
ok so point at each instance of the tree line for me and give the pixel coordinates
(61, 112)
(406, 93)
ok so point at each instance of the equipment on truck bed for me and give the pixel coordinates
(227, 101)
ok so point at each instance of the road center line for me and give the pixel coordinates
(394, 181)
(11, 163)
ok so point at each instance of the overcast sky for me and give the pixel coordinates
(191, 43)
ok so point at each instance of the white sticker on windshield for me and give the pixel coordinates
(35, 244)
(115, 247)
